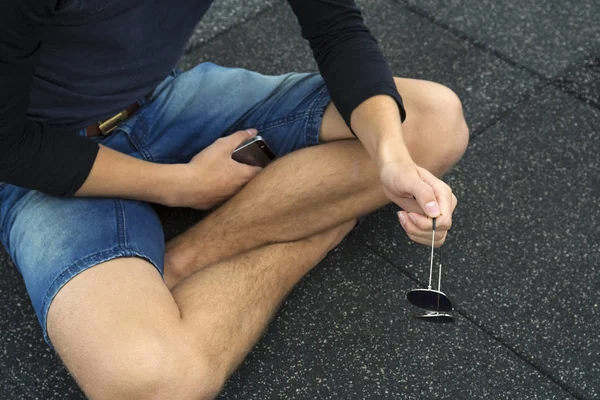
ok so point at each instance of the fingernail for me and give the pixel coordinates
(432, 209)
(412, 218)
(251, 132)
(402, 218)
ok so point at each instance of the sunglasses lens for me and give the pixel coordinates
(429, 300)
(437, 317)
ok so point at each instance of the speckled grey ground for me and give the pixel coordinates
(223, 14)
(414, 46)
(523, 257)
(347, 333)
(546, 36)
(583, 80)
(522, 262)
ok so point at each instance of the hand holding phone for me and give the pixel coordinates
(254, 152)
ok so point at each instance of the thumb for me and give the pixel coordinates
(239, 137)
(425, 196)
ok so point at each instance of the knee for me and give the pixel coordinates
(151, 370)
(451, 109)
(439, 124)
(450, 106)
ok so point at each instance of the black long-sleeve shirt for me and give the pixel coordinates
(67, 63)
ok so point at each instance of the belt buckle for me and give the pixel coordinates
(110, 124)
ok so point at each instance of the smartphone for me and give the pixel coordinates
(254, 152)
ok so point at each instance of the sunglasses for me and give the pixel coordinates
(434, 302)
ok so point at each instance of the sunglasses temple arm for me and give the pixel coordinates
(440, 274)
(432, 248)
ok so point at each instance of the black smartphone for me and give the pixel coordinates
(254, 152)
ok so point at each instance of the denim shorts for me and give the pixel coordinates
(52, 239)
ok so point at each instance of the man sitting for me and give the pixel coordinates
(172, 321)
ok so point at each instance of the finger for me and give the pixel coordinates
(419, 240)
(437, 243)
(425, 224)
(409, 205)
(444, 197)
(422, 228)
(425, 196)
(235, 139)
(424, 242)
(422, 222)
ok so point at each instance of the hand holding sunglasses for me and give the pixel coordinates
(436, 304)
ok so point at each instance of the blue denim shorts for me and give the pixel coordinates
(51, 239)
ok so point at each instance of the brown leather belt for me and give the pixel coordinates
(105, 127)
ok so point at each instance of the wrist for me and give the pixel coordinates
(391, 148)
(172, 183)
(378, 127)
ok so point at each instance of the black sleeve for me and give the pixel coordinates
(32, 155)
(348, 56)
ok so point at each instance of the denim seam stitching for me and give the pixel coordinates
(143, 113)
(308, 113)
(95, 259)
(130, 138)
(281, 122)
(320, 102)
(120, 222)
(237, 125)
(142, 118)
(139, 145)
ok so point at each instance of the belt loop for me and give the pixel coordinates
(146, 99)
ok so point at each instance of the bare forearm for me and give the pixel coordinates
(118, 175)
(377, 124)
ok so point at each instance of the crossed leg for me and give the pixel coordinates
(124, 335)
(318, 188)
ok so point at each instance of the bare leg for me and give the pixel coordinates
(264, 277)
(301, 194)
(319, 187)
(124, 336)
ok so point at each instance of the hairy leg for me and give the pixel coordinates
(319, 187)
(123, 335)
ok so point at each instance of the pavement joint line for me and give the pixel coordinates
(575, 94)
(243, 21)
(472, 41)
(528, 96)
(487, 48)
(459, 34)
(539, 368)
(404, 271)
(535, 90)
(496, 53)
(553, 81)
(556, 81)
